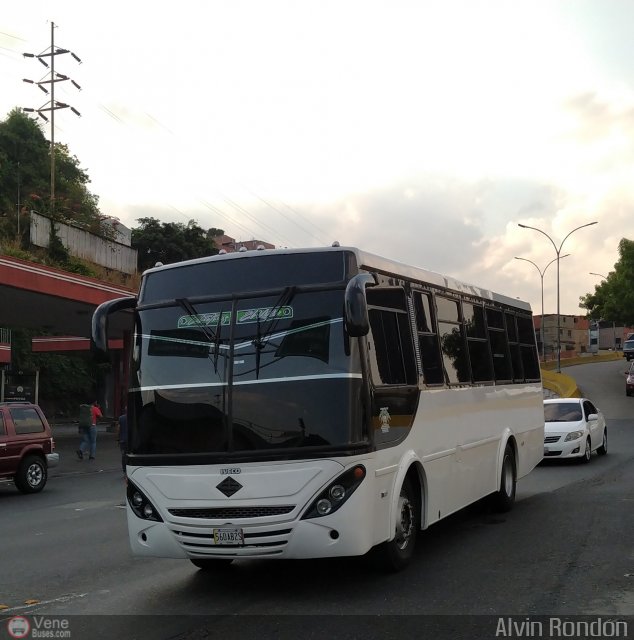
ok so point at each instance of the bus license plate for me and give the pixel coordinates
(233, 536)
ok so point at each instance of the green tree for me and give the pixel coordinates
(169, 242)
(613, 298)
(24, 168)
(25, 173)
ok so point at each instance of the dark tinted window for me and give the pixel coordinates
(454, 352)
(474, 320)
(394, 360)
(26, 420)
(428, 339)
(3, 429)
(249, 273)
(511, 329)
(481, 369)
(525, 329)
(447, 309)
(501, 355)
(499, 345)
(424, 318)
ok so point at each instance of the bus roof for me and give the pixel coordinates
(370, 262)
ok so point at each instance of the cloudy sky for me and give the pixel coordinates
(423, 131)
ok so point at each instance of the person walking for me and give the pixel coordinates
(88, 442)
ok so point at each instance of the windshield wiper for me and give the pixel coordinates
(212, 336)
(261, 338)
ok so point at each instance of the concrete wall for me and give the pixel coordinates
(81, 243)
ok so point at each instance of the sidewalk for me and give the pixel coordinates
(67, 439)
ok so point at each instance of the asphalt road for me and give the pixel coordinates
(565, 549)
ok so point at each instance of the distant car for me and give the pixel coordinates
(629, 381)
(574, 428)
(628, 349)
(27, 448)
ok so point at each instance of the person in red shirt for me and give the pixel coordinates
(89, 438)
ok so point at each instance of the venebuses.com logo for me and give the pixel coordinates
(38, 627)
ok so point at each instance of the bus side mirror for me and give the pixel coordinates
(356, 305)
(99, 333)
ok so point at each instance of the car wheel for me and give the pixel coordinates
(396, 554)
(503, 499)
(212, 564)
(587, 452)
(32, 475)
(603, 449)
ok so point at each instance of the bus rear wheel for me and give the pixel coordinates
(212, 564)
(504, 498)
(396, 554)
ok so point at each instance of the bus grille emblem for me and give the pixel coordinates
(229, 486)
(384, 419)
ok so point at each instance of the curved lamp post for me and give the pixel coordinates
(541, 275)
(557, 251)
(592, 273)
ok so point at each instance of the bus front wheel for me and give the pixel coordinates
(396, 554)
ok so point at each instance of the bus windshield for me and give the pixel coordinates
(252, 374)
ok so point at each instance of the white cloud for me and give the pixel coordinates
(421, 130)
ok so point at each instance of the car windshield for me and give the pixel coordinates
(562, 412)
(629, 344)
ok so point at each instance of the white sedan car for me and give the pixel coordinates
(574, 428)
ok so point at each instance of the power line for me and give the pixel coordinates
(266, 202)
(227, 217)
(254, 219)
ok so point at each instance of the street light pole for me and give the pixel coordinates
(592, 273)
(557, 251)
(541, 275)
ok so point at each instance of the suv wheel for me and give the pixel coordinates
(32, 475)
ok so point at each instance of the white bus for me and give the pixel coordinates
(319, 402)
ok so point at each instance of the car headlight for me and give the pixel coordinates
(573, 435)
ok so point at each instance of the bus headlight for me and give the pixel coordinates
(139, 503)
(336, 493)
(324, 507)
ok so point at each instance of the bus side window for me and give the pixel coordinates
(528, 347)
(454, 351)
(428, 339)
(514, 348)
(393, 347)
(499, 345)
(477, 342)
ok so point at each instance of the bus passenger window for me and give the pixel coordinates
(452, 341)
(394, 361)
(428, 339)
(499, 345)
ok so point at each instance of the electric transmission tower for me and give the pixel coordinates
(47, 85)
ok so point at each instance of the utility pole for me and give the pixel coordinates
(52, 105)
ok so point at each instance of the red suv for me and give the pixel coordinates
(27, 448)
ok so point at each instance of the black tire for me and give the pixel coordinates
(396, 554)
(504, 498)
(587, 452)
(212, 564)
(32, 475)
(603, 449)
